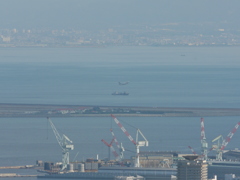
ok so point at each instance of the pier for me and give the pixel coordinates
(17, 167)
(5, 175)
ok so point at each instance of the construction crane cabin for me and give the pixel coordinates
(65, 143)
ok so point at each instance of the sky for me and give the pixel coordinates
(97, 14)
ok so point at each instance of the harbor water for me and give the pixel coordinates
(158, 77)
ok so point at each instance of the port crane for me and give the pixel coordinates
(65, 143)
(217, 144)
(137, 143)
(225, 142)
(204, 144)
(112, 148)
(120, 147)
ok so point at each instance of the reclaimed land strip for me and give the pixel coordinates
(45, 110)
(9, 175)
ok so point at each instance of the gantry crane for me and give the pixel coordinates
(225, 142)
(65, 143)
(112, 148)
(137, 143)
(120, 147)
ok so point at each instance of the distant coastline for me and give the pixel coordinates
(45, 110)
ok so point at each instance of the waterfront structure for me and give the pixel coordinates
(112, 172)
(231, 177)
(156, 159)
(129, 178)
(192, 169)
(220, 168)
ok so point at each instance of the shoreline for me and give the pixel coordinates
(51, 110)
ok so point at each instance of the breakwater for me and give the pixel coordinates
(43, 110)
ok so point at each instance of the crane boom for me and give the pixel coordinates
(64, 136)
(112, 148)
(120, 148)
(229, 136)
(109, 145)
(115, 139)
(221, 147)
(202, 129)
(57, 135)
(123, 129)
(217, 138)
(192, 150)
(64, 143)
(141, 143)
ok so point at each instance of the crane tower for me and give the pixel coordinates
(65, 143)
(203, 141)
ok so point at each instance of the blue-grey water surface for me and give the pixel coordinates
(164, 77)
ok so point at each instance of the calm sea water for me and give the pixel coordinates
(166, 77)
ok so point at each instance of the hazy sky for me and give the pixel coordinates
(109, 13)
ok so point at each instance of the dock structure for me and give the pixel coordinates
(6, 175)
(17, 167)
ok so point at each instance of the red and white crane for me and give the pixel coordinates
(204, 144)
(112, 148)
(137, 143)
(192, 150)
(120, 147)
(226, 141)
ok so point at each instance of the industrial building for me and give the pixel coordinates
(192, 169)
